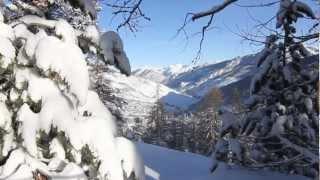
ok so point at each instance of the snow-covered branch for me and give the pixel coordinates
(215, 9)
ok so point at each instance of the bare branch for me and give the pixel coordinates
(213, 10)
(130, 11)
(258, 5)
(204, 29)
(194, 16)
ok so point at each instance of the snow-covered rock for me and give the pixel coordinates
(113, 51)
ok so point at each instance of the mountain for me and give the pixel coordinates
(178, 87)
(133, 96)
(199, 80)
(162, 75)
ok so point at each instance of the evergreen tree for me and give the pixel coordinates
(280, 131)
(236, 101)
(208, 121)
(51, 124)
(156, 124)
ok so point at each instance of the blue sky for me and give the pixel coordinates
(154, 45)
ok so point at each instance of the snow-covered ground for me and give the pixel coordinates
(175, 165)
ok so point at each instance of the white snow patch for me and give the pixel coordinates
(7, 50)
(67, 60)
(174, 165)
(130, 158)
(92, 33)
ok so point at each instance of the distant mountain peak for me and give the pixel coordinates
(197, 80)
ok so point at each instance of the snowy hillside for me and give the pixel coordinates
(162, 75)
(176, 165)
(138, 95)
(197, 81)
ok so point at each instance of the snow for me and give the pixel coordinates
(295, 8)
(32, 42)
(229, 120)
(22, 58)
(30, 126)
(304, 8)
(140, 94)
(5, 124)
(56, 110)
(68, 61)
(110, 40)
(265, 66)
(56, 149)
(5, 120)
(64, 30)
(131, 160)
(8, 169)
(113, 51)
(234, 147)
(152, 173)
(6, 50)
(174, 165)
(21, 32)
(308, 105)
(278, 126)
(198, 80)
(6, 31)
(92, 33)
(36, 20)
(1, 17)
(162, 75)
(70, 172)
(96, 108)
(56, 78)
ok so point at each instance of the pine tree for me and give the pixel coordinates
(208, 121)
(51, 124)
(156, 125)
(280, 131)
(236, 102)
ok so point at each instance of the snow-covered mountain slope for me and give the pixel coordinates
(176, 165)
(162, 75)
(199, 80)
(138, 95)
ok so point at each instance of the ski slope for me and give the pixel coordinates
(166, 164)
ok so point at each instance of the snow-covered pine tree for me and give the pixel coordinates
(52, 125)
(156, 123)
(280, 131)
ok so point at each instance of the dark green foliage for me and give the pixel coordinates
(43, 141)
(87, 156)
(90, 160)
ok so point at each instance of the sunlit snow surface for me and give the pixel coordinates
(176, 165)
